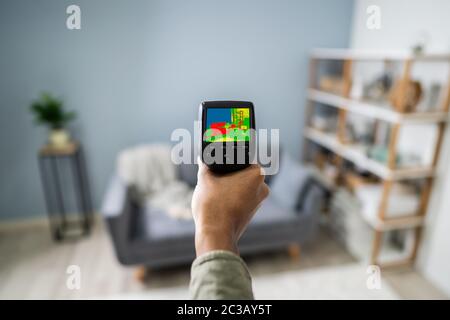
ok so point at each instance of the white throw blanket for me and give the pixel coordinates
(149, 168)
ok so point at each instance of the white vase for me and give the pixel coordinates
(59, 138)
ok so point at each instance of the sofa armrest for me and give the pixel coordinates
(117, 209)
(115, 198)
(313, 200)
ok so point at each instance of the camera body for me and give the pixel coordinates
(228, 135)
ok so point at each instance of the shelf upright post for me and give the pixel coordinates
(404, 84)
(347, 79)
(428, 185)
(393, 139)
(312, 79)
(446, 104)
(376, 247)
(378, 234)
(392, 148)
(342, 115)
(391, 163)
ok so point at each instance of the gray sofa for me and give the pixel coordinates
(144, 236)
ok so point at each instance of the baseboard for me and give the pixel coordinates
(12, 225)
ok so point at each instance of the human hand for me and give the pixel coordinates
(223, 205)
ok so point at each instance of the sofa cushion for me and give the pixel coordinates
(289, 184)
(271, 212)
(155, 224)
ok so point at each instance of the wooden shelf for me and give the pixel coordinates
(406, 222)
(346, 54)
(356, 155)
(381, 112)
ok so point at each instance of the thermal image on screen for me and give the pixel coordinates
(227, 125)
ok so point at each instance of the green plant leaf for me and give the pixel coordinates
(49, 111)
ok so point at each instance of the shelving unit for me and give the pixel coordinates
(388, 172)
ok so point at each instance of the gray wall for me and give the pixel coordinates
(138, 69)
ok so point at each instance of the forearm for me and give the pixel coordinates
(222, 207)
(220, 274)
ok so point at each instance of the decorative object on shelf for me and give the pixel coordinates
(431, 97)
(360, 129)
(381, 134)
(320, 123)
(378, 89)
(411, 97)
(332, 84)
(380, 153)
(410, 159)
(331, 172)
(320, 160)
(51, 163)
(50, 111)
(418, 49)
(323, 122)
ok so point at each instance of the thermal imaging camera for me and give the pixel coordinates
(228, 135)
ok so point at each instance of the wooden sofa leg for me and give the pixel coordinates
(141, 273)
(294, 251)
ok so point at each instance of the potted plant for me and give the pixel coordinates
(49, 111)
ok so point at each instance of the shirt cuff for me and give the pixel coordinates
(220, 255)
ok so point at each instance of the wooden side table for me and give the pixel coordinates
(51, 160)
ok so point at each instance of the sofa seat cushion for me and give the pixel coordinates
(290, 184)
(271, 212)
(155, 224)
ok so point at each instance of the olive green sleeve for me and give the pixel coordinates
(220, 275)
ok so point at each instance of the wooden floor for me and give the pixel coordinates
(32, 266)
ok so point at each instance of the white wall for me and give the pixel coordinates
(404, 23)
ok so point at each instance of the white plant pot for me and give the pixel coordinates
(59, 138)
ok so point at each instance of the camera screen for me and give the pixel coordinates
(227, 125)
